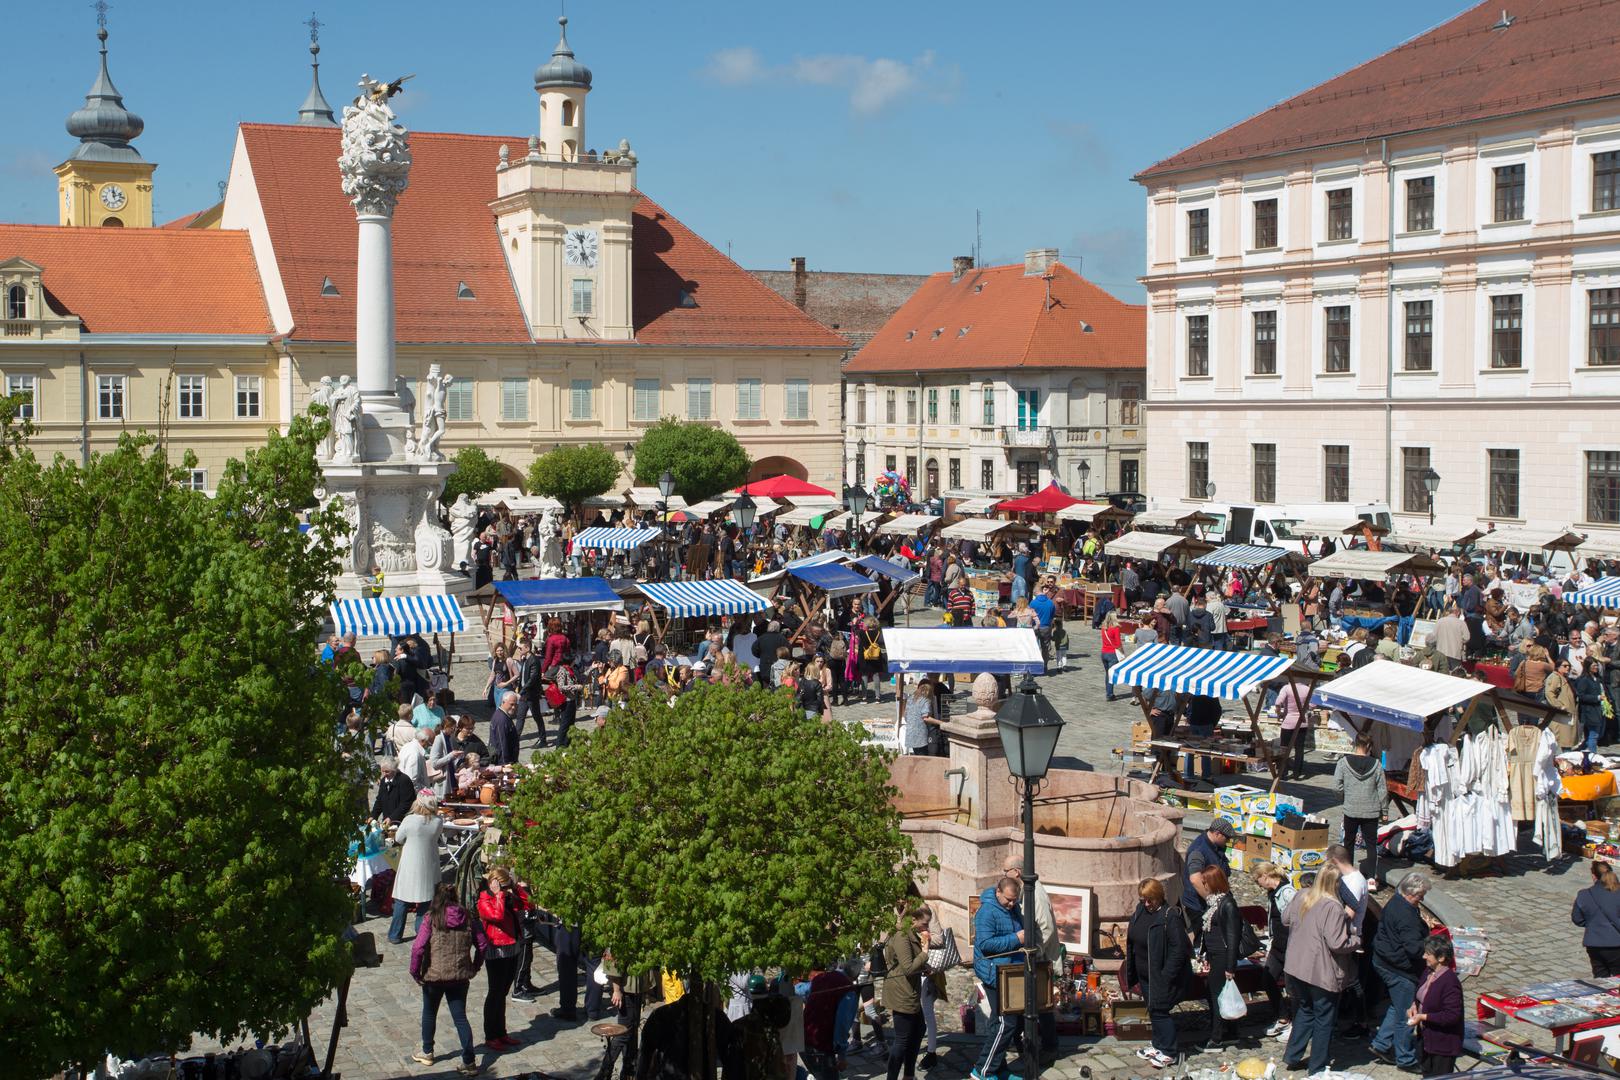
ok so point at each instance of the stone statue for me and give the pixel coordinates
(546, 542)
(322, 396)
(346, 421)
(433, 412)
(463, 528)
(407, 398)
(376, 157)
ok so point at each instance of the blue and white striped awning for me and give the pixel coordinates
(1187, 670)
(395, 616)
(721, 596)
(615, 539)
(1605, 593)
(1241, 556)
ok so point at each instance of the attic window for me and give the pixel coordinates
(327, 288)
(687, 299)
(910, 334)
(464, 292)
(979, 287)
(938, 332)
(963, 332)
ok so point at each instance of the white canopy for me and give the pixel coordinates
(1436, 536)
(533, 504)
(804, 513)
(1372, 565)
(1396, 694)
(707, 508)
(498, 495)
(1175, 517)
(964, 650)
(647, 498)
(1088, 511)
(764, 506)
(1346, 526)
(978, 529)
(1152, 545)
(906, 524)
(1529, 541)
(1601, 545)
(976, 506)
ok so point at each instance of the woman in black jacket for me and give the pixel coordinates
(1223, 931)
(1589, 695)
(1157, 967)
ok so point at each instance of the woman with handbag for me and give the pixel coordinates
(905, 955)
(502, 675)
(501, 904)
(1597, 908)
(1223, 945)
(446, 955)
(563, 692)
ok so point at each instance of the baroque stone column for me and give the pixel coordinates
(389, 481)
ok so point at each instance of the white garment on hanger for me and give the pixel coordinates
(1549, 830)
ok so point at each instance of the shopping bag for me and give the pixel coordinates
(945, 954)
(1231, 1002)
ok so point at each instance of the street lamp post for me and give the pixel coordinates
(666, 491)
(855, 501)
(1085, 477)
(1431, 482)
(1029, 728)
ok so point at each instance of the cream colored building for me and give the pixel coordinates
(1001, 379)
(1413, 266)
(569, 306)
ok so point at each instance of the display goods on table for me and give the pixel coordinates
(1564, 1007)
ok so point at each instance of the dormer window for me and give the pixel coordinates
(327, 288)
(464, 292)
(690, 301)
(979, 287)
(938, 331)
(910, 334)
(17, 302)
(962, 333)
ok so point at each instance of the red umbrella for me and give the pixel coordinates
(1048, 500)
(784, 487)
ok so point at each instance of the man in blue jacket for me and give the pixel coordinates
(998, 937)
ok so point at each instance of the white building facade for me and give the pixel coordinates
(1331, 319)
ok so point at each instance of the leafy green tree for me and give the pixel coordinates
(725, 833)
(572, 474)
(704, 460)
(175, 809)
(476, 473)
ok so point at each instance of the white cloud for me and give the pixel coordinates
(872, 83)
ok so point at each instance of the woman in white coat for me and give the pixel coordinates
(419, 874)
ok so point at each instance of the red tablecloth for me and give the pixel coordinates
(1495, 674)
(1241, 626)
(1489, 1005)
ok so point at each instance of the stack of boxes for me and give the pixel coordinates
(1298, 847)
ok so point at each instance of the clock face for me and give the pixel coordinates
(579, 247)
(112, 197)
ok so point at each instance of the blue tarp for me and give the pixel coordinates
(834, 579)
(560, 594)
(1403, 629)
(1241, 556)
(877, 564)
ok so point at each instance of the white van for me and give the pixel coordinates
(1238, 523)
(1377, 513)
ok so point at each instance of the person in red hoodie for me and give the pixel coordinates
(1111, 648)
(501, 904)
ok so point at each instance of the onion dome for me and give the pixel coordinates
(104, 127)
(562, 69)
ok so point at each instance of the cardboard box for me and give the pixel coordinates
(1233, 796)
(1236, 858)
(1268, 803)
(1141, 734)
(1300, 835)
(1256, 849)
(1302, 879)
(1297, 858)
(1233, 816)
(1259, 824)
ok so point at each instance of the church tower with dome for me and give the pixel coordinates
(105, 181)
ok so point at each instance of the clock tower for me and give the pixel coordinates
(105, 181)
(564, 214)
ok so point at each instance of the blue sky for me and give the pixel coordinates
(861, 135)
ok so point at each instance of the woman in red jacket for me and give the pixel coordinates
(501, 904)
(1111, 636)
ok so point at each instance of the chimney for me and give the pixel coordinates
(960, 265)
(1039, 261)
(801, 283)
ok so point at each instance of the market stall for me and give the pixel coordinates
(1155, 546)
(963, 651)
(1090, 515)
(1176, 519)
(969, 507)
(1603, 593)
(982, 530)
(903, 578)
(514, 600)
(686, 600)
(1048, 500)
(907, 524)
(826, 515)
(398, 616)
(1545, 543)
(1376, 566)
(783, 487)
(815, 584)
(1211, 673)
(623, 542)
(648, 498)
(1255, 564)
(1442, 537)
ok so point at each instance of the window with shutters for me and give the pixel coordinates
(860, 404)
(933, 405)
(956, 404)
(699, 399)
(648, 392)
(911, 406)
(989, 394)
(1507, 332)
(1504, 469)
(579, 399)
(514, 399)
(751, 399)
(458, 399)
(888, 406)
(1130, 403)
(797, 399)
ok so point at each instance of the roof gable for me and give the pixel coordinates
(1000, 317)
(1557, 53)
(144, 281)
(445, 233)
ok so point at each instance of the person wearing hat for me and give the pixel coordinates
(1207, 849)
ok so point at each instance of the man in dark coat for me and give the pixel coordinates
(394, 794)
(1397, 956)
(503, 736)
(1207, 849)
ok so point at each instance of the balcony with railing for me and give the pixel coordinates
(1026, 438)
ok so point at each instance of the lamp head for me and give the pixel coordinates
(1029, 727)
(666, 484)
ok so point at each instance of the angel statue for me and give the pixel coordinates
(322, 396)
(433, 412)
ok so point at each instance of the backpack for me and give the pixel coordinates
(873, 650)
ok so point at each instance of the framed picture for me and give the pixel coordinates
(1074, 909)
(973, 919)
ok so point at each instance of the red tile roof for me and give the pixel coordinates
(1009, 323)
(1556, 52)
(444, 234)
(145, 281)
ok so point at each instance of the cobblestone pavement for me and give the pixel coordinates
(1525, 911)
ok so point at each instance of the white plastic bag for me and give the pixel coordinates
(1231, 1002)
